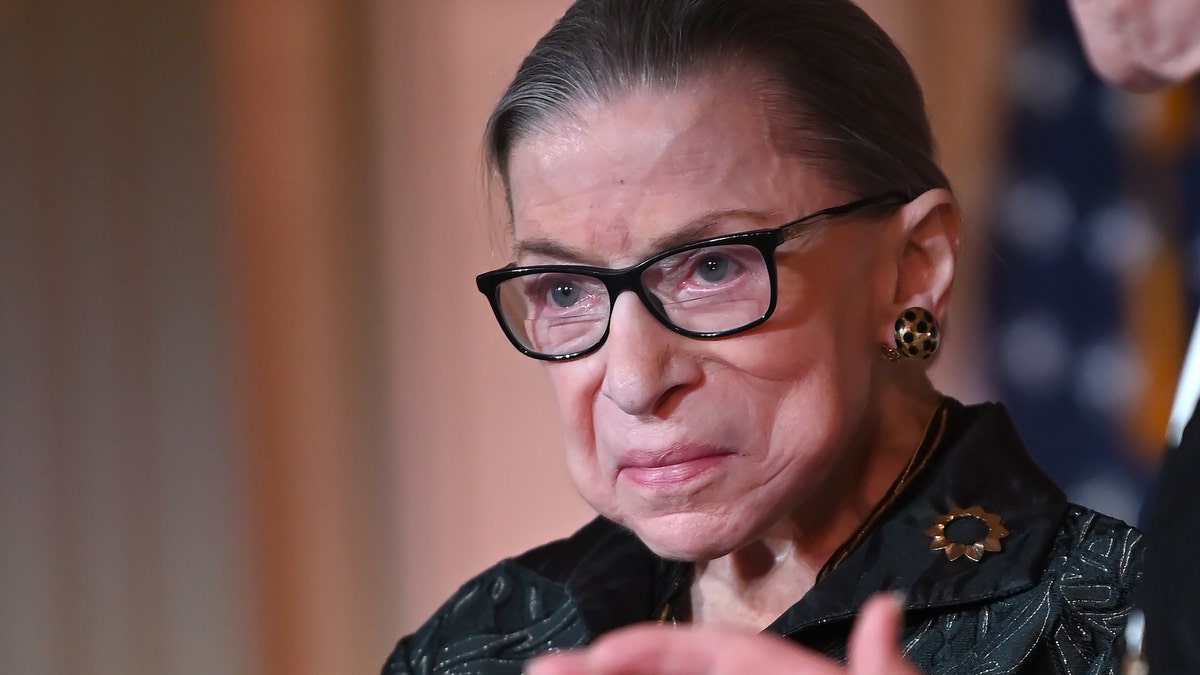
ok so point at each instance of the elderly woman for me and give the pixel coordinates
(732, 246)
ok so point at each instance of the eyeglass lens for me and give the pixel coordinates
(707, 290)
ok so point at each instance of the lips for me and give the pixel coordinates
(670, 467)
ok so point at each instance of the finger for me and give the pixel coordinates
(874, 645)
(562, 663)
(705, 650)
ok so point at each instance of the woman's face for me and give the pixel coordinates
(702, 446)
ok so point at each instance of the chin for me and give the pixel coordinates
(690, 537)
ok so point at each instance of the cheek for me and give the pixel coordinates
(817, 326)
(575, 385)
(812, 364)
(831, 301)
(801, 396)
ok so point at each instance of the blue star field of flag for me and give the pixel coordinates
(1093, 274)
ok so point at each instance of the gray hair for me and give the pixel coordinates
(837, 85)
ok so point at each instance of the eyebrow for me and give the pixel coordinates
(700, 227)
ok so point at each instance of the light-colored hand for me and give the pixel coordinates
(1140, 44)
(722, 650)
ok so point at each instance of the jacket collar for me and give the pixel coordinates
(980, 461)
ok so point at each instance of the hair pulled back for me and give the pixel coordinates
(835, 83)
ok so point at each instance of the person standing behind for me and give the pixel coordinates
(1143, 46)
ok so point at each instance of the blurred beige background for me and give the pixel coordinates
(254, 417)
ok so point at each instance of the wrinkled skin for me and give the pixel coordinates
(753, 456)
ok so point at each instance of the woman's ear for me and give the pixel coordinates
(926, 252)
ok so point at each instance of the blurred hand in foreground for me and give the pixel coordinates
(648, 649)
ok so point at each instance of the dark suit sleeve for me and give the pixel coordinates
(1171, 592)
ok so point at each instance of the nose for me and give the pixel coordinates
(645, 363)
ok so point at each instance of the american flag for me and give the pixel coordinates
(1095, 265)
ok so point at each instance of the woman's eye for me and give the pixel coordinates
(703, 270)
(715, 268)
(555, 293)
(563, 294)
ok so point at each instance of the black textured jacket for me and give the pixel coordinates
(1053, 600)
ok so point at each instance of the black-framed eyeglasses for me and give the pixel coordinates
(705, 289)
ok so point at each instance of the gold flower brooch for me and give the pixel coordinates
(969, 532)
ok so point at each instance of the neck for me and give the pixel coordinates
(754, 584)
